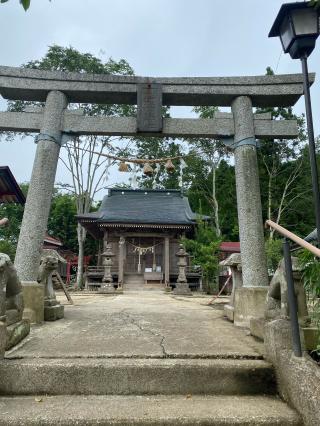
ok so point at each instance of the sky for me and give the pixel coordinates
(161, 38)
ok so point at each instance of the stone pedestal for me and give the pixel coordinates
(277, 337)
(228, 311)
(53, 310)
(257, 326)
(108, 288)
(33, 295)
(16, 332)
(182, 289)
(250, 302)
(310, 335)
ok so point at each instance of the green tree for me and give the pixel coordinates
(152, 148)
(282, 169)
(204, 249)
(210, 152)
(9, 235)
(311, 279)
(62, 221)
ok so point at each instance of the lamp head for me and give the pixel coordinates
(297, 25)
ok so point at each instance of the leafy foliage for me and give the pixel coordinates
(274, 254)
(9, 235)
(311, 279)
(315, 3)
(204, 249)
(62, 224)
(25, 3)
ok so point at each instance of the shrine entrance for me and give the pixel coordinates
(145, 358)
(144, 255)
(239, 129)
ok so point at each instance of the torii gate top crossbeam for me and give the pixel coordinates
(264, 91)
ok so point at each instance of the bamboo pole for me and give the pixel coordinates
(293, 237)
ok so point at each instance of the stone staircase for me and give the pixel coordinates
(133, 282)
(144, 391)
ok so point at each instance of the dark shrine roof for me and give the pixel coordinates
(10, 191)
(147, 206)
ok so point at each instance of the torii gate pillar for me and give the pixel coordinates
(250, 299)
(36, 212)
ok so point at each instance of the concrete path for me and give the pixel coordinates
(139, 325)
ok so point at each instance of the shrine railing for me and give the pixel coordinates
(99, 269)
(292, 300)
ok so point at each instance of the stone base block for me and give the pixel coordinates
(53, 313)
(3, 338)
(298, 378)
(280, 330)
(182, 289)
(33, 296)
(107, 290)
(249, 303)
(311, 338)
(277, 337)
(228, 311)
(16, 332)
(257, 327)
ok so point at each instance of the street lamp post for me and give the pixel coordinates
(297, 25)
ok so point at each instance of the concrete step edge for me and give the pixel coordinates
(136, 376)
(186, 410)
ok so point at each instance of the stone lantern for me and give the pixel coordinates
(107, 280)
(234, 263)
(182, 287)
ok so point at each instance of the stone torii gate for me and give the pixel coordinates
(54, 123)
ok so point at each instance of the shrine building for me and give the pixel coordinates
(143, 228)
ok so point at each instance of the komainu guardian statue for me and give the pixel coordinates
(52, 308)
(11, 303)
(277, 299)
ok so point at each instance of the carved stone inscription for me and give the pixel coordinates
(149, 116)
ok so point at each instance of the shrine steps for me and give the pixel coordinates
(133, 282)
(186, 410)
(147, 376)
(141, 392)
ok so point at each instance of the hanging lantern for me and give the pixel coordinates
(169, 166)
(123, 167)
(147, 169)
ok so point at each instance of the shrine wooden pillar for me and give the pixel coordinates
(122, 244)
(167, 261)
